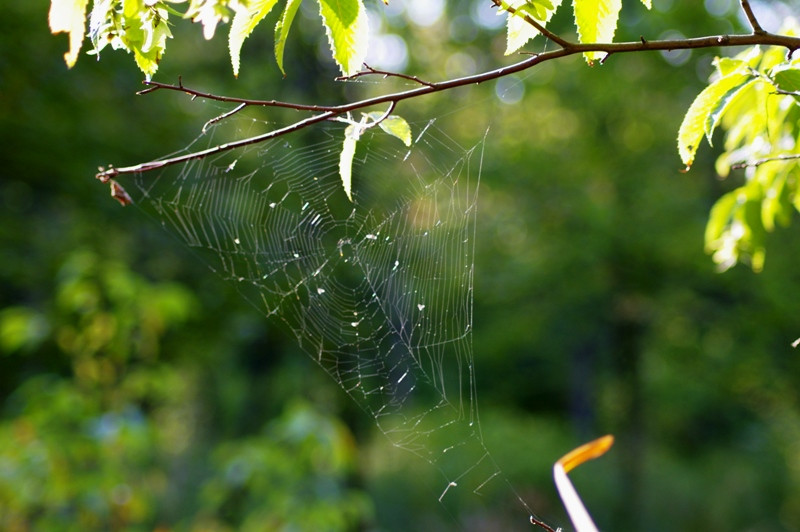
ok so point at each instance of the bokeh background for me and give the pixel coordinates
(139, 392)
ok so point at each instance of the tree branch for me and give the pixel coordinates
(107, 174)
(155, 85)
(751, 17)
(223, 116)
(541, 524)
(759, 162)
(369, 70)
(328, 112)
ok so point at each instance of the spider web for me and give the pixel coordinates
(378, 291)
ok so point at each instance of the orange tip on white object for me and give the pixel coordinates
(575, 508)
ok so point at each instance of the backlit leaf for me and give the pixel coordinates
(144, 31)
(787, 78)
(704, 113)
(69, 16)
(394, 125)
(772, 205)
(282, 30)
(351, 136)
(346, 25)
(719, 219)
(648, 4)
(596, 21)
(735, 230)
(210, 13)
(728, 65)
(519, 31)
(718, 109)
(244, 22)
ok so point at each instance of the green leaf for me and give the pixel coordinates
(596, 21)
(69, 16)
(536, 9)
(786, 78)
(753, 241)
(719, 108)
(394, 125)
(282, 30)
(546, 4)
(519, 31)
(719, 219)
(145, 31)
(729, 65)
(775, 200)
(345, 24)
(209, 13)
(704, 114)
(351, 136)
(735, 230)
(132, 8)
(244, 22)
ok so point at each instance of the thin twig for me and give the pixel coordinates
(369, 71)
(363, 125)
(541, 29)
(223, 116)
(385, 115)
(328, 112)
(794, 94)
(751, 17)
(542, 524)
(148, 90)
(156, 85)
(759, 162)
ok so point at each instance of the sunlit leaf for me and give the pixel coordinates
(209, 13)
(282, 30)
(704, 113)
(648, 3)
(244, 22)
(719, 218)
(346, 26)
(596, 21)
(728, 65)
(69, 16)
(519, 32)
(131, 8)
(772, 211)
(351, 136)
(394, 125)
(787, 78)
(719, 107)
(755, 233)
(735, 229)
(141, 29)
(103, 29)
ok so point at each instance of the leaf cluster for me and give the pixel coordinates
(754, 97)
(142, 27)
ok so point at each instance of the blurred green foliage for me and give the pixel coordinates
(137, 392)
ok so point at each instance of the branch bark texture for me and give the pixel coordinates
(323, 113)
